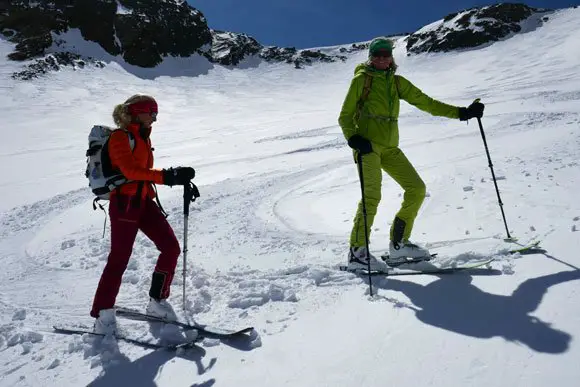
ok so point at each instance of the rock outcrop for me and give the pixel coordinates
(471, 28)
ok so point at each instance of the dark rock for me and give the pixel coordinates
(457, 32)
(450, 16)
(54, 62)
(277, 54)
(230, 49)
(31, 47)
(298, 57)
(309, 56)
(96, 21)
(143, 31)
(156, 29)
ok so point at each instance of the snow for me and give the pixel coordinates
(278, 193)
(121, 10)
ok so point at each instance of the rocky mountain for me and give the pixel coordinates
(229, 49)
(141, 31)
(475, 27)
(145, 32)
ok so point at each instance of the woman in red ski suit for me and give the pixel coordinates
(132, 208)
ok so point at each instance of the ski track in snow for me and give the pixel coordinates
(241, 295)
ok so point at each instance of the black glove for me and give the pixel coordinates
(360, 144)
(178, 176)
(475, 110)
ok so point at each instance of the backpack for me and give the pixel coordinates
(103, 179)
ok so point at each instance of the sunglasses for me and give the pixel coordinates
(382, 54)
(144, 107)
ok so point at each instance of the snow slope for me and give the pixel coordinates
(279, 190)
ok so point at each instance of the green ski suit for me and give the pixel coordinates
(376, 120)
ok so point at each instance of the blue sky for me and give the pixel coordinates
(315, 23)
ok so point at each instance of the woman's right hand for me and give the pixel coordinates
(178, 176)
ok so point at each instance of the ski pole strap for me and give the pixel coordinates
(95, 204)
(190, 193)
(158, 202)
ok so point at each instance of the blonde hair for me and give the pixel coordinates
(393, 65)
(121, 114)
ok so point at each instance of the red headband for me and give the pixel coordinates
(147, 106)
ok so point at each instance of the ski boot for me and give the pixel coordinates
(357, 260)
(405, 252)
(106, 323)
(161, 309)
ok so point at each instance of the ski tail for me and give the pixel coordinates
(532, 248)
(120, 337)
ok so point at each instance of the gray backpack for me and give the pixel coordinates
(103, 179)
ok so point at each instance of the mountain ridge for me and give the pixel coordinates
(144, 33)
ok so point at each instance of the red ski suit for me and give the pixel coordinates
(132, 209)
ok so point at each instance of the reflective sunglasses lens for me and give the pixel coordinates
(383, 54)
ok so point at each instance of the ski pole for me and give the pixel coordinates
(186, 199)
(493, 175)
(364, 211)
(190, 193)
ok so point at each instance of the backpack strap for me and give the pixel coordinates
(367, 89)
(132, 142)
(365, 94)
(141, 184)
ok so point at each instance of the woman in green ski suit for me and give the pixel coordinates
(368, 119)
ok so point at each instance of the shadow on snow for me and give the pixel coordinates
(453, 303)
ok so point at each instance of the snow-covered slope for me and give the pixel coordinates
(279, 190)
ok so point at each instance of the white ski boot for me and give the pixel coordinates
(106, 323)
(406, 252)
(161, 309)
(357, 260)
